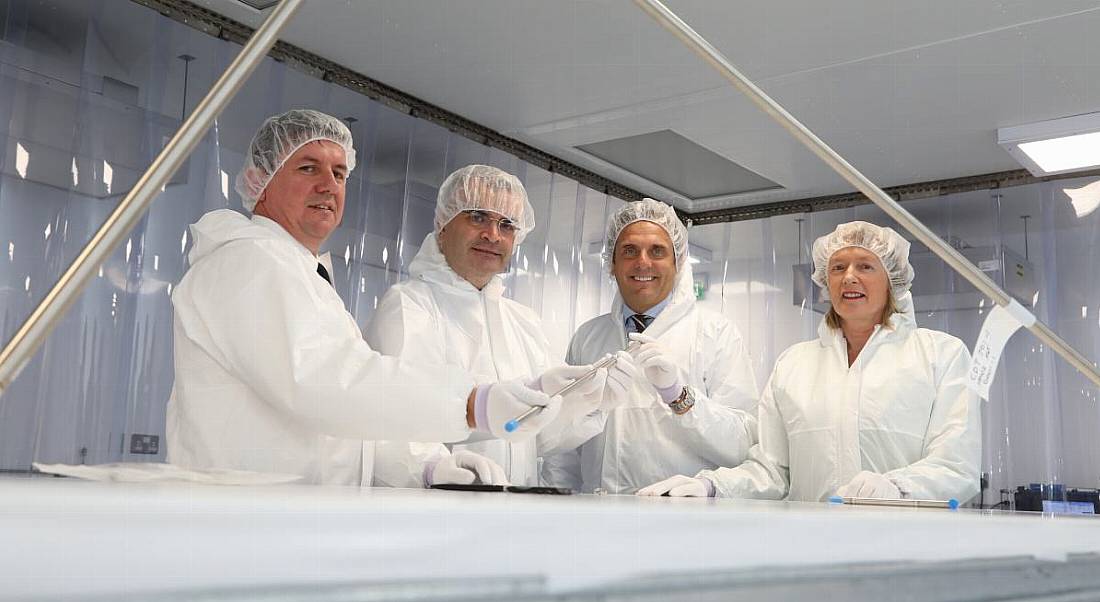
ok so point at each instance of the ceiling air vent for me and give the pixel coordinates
(671, 160)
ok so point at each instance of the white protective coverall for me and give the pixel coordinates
(438, 317)
(644, 441)
(273, 374)
(901, 410)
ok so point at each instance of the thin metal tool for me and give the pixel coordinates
(951, 504)
(606, 362)
(667, 19)
(30, 336)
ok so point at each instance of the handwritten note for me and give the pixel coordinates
(999, 326)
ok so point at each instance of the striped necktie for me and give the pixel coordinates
(640, 322)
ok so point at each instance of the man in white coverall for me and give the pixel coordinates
(272, 372)
(452, 311)
(694, 405)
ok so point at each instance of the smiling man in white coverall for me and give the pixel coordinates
(452, 309)
(272, 372)
(693, 407)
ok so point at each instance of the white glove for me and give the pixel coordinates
(499, 403)
(656, 364)
(677, 486)
(870, 484)
(582, 400)
(620, 382)
(608, 389)
(464, 467)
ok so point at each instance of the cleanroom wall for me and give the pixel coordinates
(89, 93)
(1041, 421)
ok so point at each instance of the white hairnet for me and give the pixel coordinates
(890, 248)
(647, 210)
(485, 188)
(278, 138)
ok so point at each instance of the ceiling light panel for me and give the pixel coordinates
(1056, 146)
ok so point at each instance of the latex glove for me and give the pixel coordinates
(466, 467)
(657, 365)
(678, 486)
(620, 382)
(497, 404)
(870, 484)
(582, 400)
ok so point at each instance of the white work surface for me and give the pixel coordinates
(65, 537)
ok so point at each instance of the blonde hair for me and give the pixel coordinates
(833, 319)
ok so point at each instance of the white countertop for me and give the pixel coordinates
(66, 537)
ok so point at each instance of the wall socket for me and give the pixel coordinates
(144, 444)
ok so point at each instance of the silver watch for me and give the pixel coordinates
(682, 404)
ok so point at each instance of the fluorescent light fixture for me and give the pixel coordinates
(1056, 146)
(1085, 199)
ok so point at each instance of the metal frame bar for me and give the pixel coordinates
(222, 27)
(38, 325)
(667, 19)
(219, 26)
(905, 192)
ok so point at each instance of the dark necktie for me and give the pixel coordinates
(641, 322)
(324, 273)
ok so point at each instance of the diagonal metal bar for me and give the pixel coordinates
(667, 19)
(41, 321)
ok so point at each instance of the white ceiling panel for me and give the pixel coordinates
(908, 91)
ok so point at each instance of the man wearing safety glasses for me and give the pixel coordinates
(451, 310)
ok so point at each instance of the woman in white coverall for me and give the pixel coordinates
(875, 407)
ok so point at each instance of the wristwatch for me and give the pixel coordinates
(682, 404)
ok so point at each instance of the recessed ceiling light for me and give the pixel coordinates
(1056, 146)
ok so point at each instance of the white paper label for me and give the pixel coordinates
(999, 326)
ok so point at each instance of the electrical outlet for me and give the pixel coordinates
(144, 444)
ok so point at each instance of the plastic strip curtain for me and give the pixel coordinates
(78, 127)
